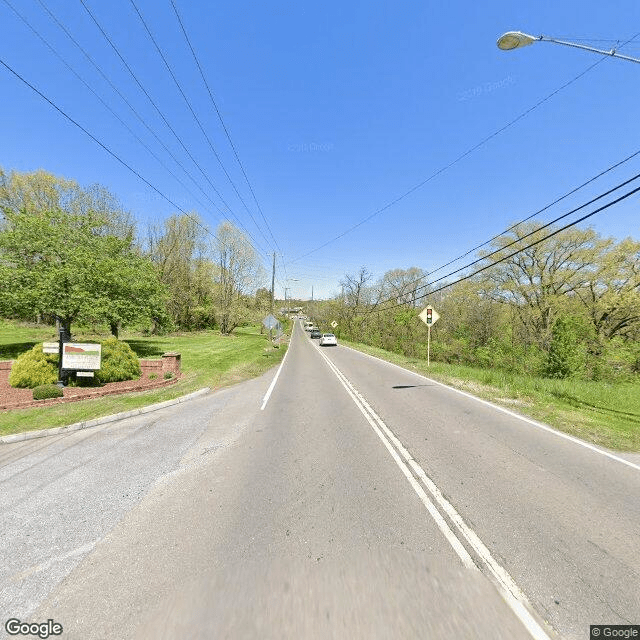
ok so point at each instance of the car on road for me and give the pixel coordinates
(328, 340)
(315, 333)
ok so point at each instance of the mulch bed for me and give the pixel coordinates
(11, 398)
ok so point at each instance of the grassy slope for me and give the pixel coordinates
(208, 360)
(603, 413)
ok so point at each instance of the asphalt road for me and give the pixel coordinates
(350, 499)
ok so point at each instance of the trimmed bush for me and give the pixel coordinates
(33, 368)
(119, 362)
(153, 376)
(45, 391)
(168, 375)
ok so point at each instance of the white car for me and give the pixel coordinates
(328, 340)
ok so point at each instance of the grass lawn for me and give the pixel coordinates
(602, 413)
(208, 360)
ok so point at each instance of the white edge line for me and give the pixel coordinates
(273, 382)
(509, 590)
(513, 414)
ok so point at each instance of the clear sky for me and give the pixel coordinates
(336, 110)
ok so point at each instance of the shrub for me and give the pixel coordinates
(168, 375)
(44, 391)
(153, 376)
(119, 362)
(565, 358)
(33, 368)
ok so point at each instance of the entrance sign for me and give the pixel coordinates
(84, 357)
(50, 347)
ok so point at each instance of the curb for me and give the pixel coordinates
(86, 424)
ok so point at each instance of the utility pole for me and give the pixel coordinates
(273, 280)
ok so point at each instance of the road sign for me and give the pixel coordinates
(270, 322)
(429, 316)
(334, 324)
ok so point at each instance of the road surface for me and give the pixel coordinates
(343, 497)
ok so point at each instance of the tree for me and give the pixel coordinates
(542, 280)
(239, 274)
(180, 250)
(403, 286)
(40, 190)
(53, 262)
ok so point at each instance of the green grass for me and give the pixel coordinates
(603, 413)
(208, 359)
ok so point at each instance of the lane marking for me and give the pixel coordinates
(508, 589)
(273, 382)
(513, 414)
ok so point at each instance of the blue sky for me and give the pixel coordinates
(336, 109)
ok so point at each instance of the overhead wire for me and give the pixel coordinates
(137, 115)
(228, 135)
(533, 215)
(224, 126)
(106, 106)
(105, 147)
(379, 309)
(193, 113)
(164, 119)
(458, 158)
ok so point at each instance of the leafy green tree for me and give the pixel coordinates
(53, 262)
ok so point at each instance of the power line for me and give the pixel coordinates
(137, 115)
(206, 84)
(106, 148)
(533, 244)
(115, 115)
(538, 229)
(164, 119)
(193, 113)
(539, 211)
(455, 161)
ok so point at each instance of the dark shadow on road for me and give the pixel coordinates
(411, 386)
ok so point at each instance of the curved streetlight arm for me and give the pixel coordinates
(517, 40)
(612, 52)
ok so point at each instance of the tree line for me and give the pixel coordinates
(75, 255)
(567, 306)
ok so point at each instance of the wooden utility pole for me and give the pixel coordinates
(273, 280)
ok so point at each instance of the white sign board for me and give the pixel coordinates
(429, 315)
(49, 347)
(84, 357)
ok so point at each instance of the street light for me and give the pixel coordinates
(517, 40)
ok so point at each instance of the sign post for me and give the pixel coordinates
(429, 316)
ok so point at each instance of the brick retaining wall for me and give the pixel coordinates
(11, 398)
